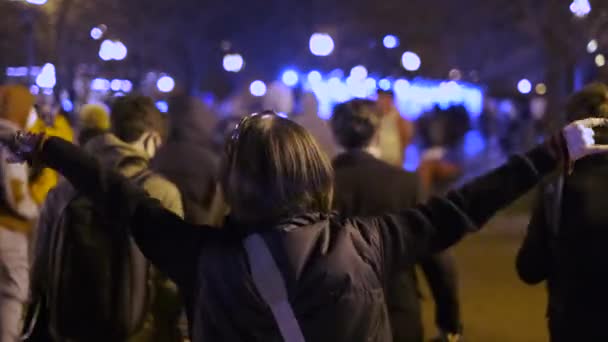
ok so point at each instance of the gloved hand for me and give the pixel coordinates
(22, 146)
(579, 138)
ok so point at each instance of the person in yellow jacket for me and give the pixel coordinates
(52, 124)
(17, 213)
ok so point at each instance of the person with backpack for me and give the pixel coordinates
(365, 186)
(94, 282)
(17, 214)
(565, 244)
(283, 266)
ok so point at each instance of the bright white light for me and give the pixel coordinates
(257, 88)
(96, 33)
(358, 73)
(390, 41)
(126, 86)
(165, 84)
(46, 78)
(524, 86)
(580, 8)
(371, 84)
(282, 114)
(338, 90)
(321, 44)
(600, 60)
(401, 86)
(115, 85)
(233, 62)
(34, 90)
(410, 61)
(314, 77)
(162, 106)
(36, 2)
(100, 84)
(120, 52)
(592, 46)
(112, 50)
(290, 78)
(384, 84)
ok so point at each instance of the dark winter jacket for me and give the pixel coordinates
(367, 186)
(122, 158)
(571, 255)
(336, 268)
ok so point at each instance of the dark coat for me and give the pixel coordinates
(571, 256)
(336, 269)
(367, 186)
(193, 168)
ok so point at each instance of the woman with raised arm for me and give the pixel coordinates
(284, 265)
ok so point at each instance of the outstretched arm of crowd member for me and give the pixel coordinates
(443, 221)
(164, 238)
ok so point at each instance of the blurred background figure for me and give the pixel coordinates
(395, 133)
(188, 160)
(53, 122)
(94, 121)
(319, 128)
(367, 186)
(565, 244)
(17, 213)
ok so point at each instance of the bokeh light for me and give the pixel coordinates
(541, 89)
(314, 77)
(112, 50)
(384, 84)
(592, 46)
(580, 8)
(524, 86)
(401, 86)
(46, 78)
(290, 78)
(96, 33)
(321, 44)
(390, 41)
(358, 73)
(233, 62)
(600, 60)
(410, 61)
(36, 2)
(100, 84)
(162, 106)
(115, 85)
(257, 88)
(165, 84)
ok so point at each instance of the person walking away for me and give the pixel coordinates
(319, 128)
(94, 121)
(565, 244)
(283, 266)
(17, 213)
(196, 176)
(52, 122)
(367, 186)
(395, 133)
(94, 282)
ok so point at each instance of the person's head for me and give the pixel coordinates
(16, 104)
(355, 123)
(386, 100)
(591, 101)
(94, 121)
(136, 121)
(273, 169)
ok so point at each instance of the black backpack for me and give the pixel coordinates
(100, 286)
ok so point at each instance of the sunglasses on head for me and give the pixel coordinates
(243, 123)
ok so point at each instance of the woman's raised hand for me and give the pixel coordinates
(580, 138)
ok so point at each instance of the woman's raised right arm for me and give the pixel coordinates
(165, 239)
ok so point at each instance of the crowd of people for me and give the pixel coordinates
(132, 228)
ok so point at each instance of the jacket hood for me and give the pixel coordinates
(16, 103)
(116, 154)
